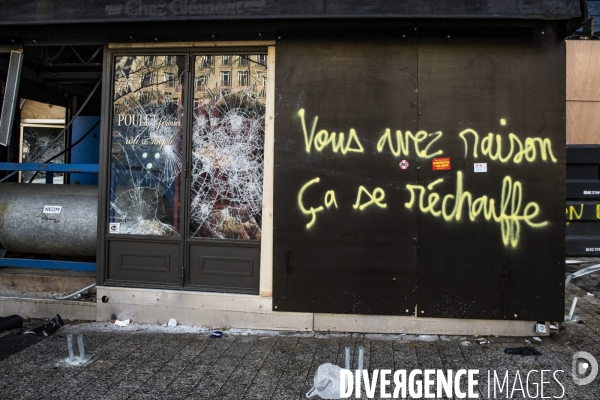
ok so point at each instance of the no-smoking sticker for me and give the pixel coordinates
(403, 164)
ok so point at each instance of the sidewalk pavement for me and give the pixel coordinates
(154, 362)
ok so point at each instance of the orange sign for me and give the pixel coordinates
(441, 164)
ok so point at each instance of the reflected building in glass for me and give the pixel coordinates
(227, 146)
(146, 145)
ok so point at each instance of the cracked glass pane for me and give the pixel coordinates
(35, 139)
(146, 145)
(227, 146)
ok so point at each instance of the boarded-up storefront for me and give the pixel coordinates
(380, 167)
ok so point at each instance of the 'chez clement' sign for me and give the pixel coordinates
(75, 11)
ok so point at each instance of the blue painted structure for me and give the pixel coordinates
(81, 168)
(87, 151)
(48, 264)
(50, 168)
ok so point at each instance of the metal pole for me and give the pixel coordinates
(10, 96)
(361, 358)
(81, 348)
(75, 293)
(70, 346)
(581, 272)
(348, 357)
(573, 304)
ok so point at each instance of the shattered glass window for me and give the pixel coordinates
(36, 138)
(146, 145)
(227, 150)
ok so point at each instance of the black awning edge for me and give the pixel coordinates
(571, 25)
(19, 12)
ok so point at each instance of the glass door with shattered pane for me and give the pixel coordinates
(145, 169)
(226, 166)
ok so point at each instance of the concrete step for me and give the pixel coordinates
(47, 308)
(29, 292)
(43, 283)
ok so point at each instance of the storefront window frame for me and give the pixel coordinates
(189, 50)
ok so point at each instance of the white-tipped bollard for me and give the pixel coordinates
(81, 347)
(347, 357)
(361, 358)
(572, 310)
(70, 347)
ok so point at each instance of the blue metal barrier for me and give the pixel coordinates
(48, 264)
(49, 167)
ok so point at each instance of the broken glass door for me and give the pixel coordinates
(146, 145)
(145, 170)
(226, 182)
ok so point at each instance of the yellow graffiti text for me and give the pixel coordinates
(323, 138)
(376, 198)
(573, 214)
(509, 213)
(515, 150)
(407, 140)
(329, 201)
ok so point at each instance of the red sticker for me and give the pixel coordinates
(441, 164)
(403, 164)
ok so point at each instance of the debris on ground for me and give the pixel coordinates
(47, 329)
(466, 343)
(216, 334)
(553, 327)
(327, 382)
(574, 320)
(483, 341)
(537, 339)
(522, 351)
(172, 322)
(123, 323)
(11, 322)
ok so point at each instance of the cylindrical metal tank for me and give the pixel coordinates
(49, 219)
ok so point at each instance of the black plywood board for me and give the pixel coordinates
(349, 260)
(365, 262)
(494, 84)
(76, 11)
(583, 154)
(583, 228)
(583, 172)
